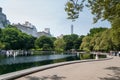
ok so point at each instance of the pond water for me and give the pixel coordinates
(27, 59)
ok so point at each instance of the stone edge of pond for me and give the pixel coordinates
(17, 74)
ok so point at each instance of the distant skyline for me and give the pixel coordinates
(48, 14)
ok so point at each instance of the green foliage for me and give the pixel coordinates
(101, 9)
(96, 40)
(2, 45)
(53, 39)
(86, 43)
(71, 37)
(87, 56)
(72, 41)
(27, 41)
(104, 9)
(91, 56)
(94, 31)
(106, 43)
(59, 45)
(102, 39)
(12, 38)
(44, 42)
(77, 43)
(46, 47)
(72, 8)
(116, 33)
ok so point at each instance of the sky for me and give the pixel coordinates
(49, 14)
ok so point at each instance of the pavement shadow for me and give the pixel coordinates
(54, 77)
(115, 76)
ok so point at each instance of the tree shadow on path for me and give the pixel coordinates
(115, 76)
(54, 77)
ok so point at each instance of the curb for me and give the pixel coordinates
(17, 74)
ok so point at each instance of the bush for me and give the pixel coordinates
(84, 56)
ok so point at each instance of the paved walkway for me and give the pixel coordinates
(101, 70)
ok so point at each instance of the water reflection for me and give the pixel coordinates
(26, 59)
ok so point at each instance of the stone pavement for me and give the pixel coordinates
(98, 70)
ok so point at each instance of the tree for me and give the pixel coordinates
(72, 8)
(2, 46)
(78, 42)
(104, 9)
(101, 9)
(74, 37)
(53, 39)
(94, 31)
(59, 45)
(71, 37)
(46, 47)
(97, 39)
(12, 38)
(106, 43)
(27, 41)
(116, 33)
(86, 43)
(44, 42)
(69, 40)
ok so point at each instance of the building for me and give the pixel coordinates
(3, 19)
(61, 36)
(30, 29)
(27, 28)
(46, 32)
(71, 29)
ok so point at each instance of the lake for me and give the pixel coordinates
(27, 59)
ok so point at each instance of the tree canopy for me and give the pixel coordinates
(59, 45)
(101, 9)
(104, 9)
(116, 32)
(72, 41)
(12, 38)
(44, 42)
(94, 31)
(72, 8)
